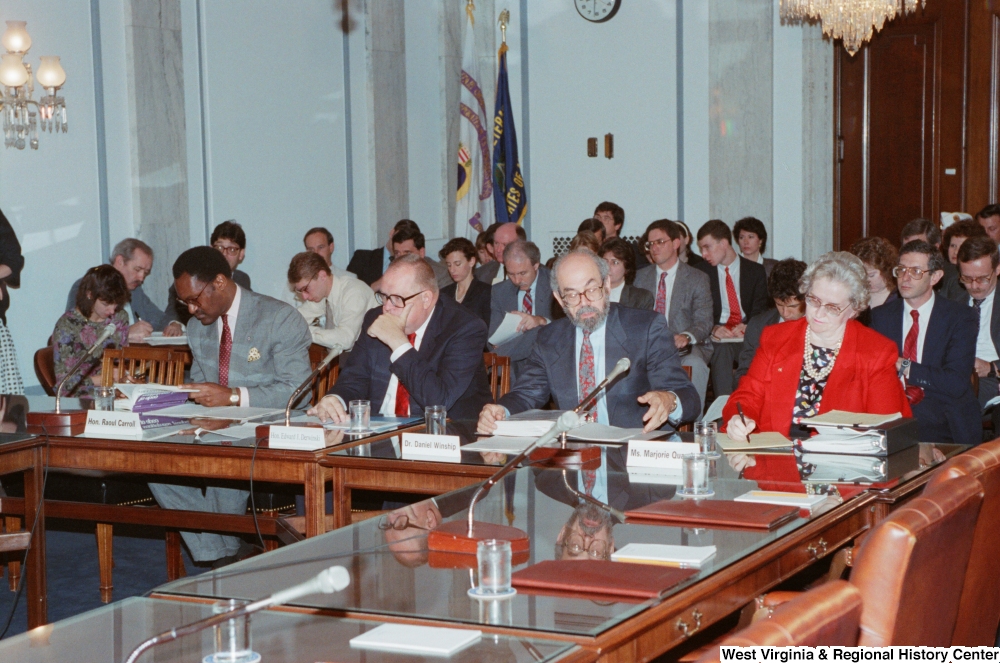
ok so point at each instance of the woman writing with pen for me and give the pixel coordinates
(822, 362)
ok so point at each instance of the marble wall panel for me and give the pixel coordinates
(817, 143)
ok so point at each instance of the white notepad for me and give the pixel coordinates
(410, 639)
(801, 500)
(659, 553)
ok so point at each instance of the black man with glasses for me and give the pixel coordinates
(978, 266)
(417, 350)
(572, 355)
(247, 350)
(936, 341)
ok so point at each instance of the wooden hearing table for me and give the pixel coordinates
(24, 453)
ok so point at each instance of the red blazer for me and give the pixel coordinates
(864, 379)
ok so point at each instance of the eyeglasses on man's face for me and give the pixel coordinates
(302, 290)
(916, 273)
(396, 300)
(656, 242)
(593, 295)
(193, 301)
(596, 549)
(976, 280)
(832, 309)
(399, 524)
(226, 250)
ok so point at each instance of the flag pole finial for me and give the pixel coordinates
(504, 20)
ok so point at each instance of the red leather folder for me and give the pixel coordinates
(713, 513)
(597, 579)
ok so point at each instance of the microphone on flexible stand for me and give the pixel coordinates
(263, 430)
(327, 581)
(58, 418)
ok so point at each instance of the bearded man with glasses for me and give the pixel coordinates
(571, 356)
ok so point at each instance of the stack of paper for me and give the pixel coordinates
(610, 434)
(157, 338)
(410, 639)
(801, 500)
(503, 445)
(657, 553)
(195, 411)
(839, 418)
(769, 440)
(147, 397)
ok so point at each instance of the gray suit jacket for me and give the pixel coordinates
(505, 298)
(278, 333)
(486, 273)
(635, 297)
(690, 304)
(142, 306)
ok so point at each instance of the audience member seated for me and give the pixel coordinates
(101, 296)
(133, 259)
(739, 292)
(483, 241)
(527, 293)
(594, 226)
(229, 239)
(459, 256)
(410, 241)
(879, 257)
(825, 361)
(989, 219)
(335, 306)
(248, 350)
(573, 355)
(979, 265)
(686, 254)
(954, 236)
(416, 351)
(585, 240)
(930, 232)
(621, 263)
(370, 264)
(503, 234)
(319, 240)
(936, 341)
(612, 216)
(681, 293)
(789, 305)
(751, 236)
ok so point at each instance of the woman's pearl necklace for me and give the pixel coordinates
(807, 363)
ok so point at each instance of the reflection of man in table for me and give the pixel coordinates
(586, 535)
(249, 350)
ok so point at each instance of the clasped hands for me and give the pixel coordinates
(661, 404)
(722, 331)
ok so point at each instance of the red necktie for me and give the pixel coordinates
(913, 394)
(587, 380)
(527, 303)
(402, 395)
(225, 351)
(735, 316)
(661, 295)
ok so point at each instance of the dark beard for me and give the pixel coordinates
(592, 323)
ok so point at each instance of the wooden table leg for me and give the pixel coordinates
(34, 508)
(13, 524)
(315, 499)
(341, 499)
(175, 560)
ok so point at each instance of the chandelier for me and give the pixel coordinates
(852, 21)
(20, 122)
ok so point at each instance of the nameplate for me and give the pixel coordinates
(296, 438)
(113, 424)
(419, 446)
(646, 453)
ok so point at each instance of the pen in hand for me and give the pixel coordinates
(739, 409)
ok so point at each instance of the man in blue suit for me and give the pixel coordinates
(572, 355)
(936, 338)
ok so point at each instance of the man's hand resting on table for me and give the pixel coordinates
(329, 409)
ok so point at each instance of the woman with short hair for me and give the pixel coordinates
(621, 260)
(459, 256)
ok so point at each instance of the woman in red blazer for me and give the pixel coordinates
(824, 361)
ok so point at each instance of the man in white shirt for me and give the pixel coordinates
(979, 265)
(344, 301)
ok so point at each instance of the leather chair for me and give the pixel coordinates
(979, 608)
(827, 615)
(45, 369)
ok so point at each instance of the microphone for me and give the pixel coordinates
(105, 335)
(327, 581)
(330, 356)
(588, 402)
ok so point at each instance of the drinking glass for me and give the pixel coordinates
(705, 436)
(694, 472)
(494, 560)
(232, 637)
(361, 414)
(104, 399)
(436, 418)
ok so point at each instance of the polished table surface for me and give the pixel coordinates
(110, 633)
(398, 577)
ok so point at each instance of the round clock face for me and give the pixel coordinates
(597, 11)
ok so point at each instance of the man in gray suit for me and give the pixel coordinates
(250, 350)
(527, 293)
(682, 294)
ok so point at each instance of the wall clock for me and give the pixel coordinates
(597, 11)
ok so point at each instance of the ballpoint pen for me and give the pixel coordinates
(739, 408)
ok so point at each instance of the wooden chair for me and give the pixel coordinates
(45, 369)
(144, 364)
(498, 370)
(328, 377)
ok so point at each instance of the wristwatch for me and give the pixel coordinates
(904, 368)
(234, 397)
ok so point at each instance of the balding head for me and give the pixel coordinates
(504, 235)
(409, 280)
(581, 285)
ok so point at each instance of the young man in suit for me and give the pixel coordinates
(936, 338)
(341, 302)
(613, 218)
(527, 294)
(681, 294)
(572, 356)
(739, 292)
(503, 234)
(979, 265)
(229, 239)
(370, 264)
(410, 241)
(247, 350)
(417, 350)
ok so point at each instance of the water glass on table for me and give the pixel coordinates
(436, 420)
(361, 415)
(705, 434)
(493, 557)
(104, 399)
(695, 476)
(233, 642)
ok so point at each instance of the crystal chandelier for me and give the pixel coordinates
(20, 122)
(852, 21)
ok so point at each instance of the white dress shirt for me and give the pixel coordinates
(231, 314)
(985, 349)
(342, 313)
(501, 275)
(388, 408)
(924, 317)
(734, 272)
(616, 293)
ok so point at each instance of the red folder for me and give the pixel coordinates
(713, 513)
(598, 579)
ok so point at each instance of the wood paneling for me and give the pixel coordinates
(984, 105)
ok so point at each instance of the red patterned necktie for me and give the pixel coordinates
(913, 394)
(735, 316)
(402, 395)
(225, 351)
(589, 479)
(661, 295)
(587, 380)
(527, 303)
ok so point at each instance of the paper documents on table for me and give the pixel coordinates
(528, 423)
(668, 555)
(193, 411)
(237, 432)
(769, 440)
(801, 500)
(610, 434)
(146, 397)
(845, 441)
(503, 445)
(412, 639)
(507, 329)
(376, 424)
(157, 338)
(850, 419)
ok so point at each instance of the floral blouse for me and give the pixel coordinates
(810, 391)
(72, 336)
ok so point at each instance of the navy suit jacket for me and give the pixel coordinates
(753, 289)
(447, 370)
(367, 264)
(642, 336)
(949, 411)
